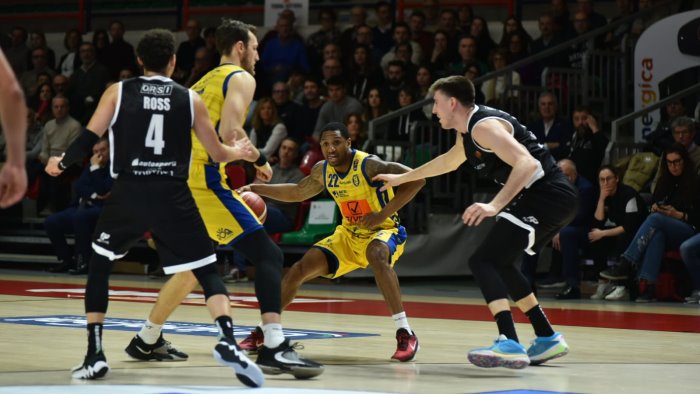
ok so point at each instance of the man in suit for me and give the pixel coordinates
(555, 133)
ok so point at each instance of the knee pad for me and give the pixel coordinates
(211, 282)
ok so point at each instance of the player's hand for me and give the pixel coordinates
(388, 179)
(243, 189)
(595, 234)
(372, 220)
(592, 124)
(264, 172)
(477, 212)
(13, 183)
(556, 242)
(96, 159)
(244, 149)
(52, 166)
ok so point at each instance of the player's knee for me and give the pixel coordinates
(211, 282)
(378, 255)
(187, 279)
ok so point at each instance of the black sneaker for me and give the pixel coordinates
(64, 266)
(285, 359)
(93, 367)
(228, 353)
(570, 293)
(162, 350)
(620, 271)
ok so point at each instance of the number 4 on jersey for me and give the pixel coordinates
(154, 136)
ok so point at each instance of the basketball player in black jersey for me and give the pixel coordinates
(13, 115)
(150, 121)
(533, 204)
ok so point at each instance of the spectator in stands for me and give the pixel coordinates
(396, 79)
(495, 89)
(382, 32)
(516, 49)
(29, 78)
(268, 130)
(402, 35)
(280, 55)
(37, 39)
(674, 218)
(561, 18)
(310, 108)
(641, 23)
(364, 73)
(40, 103)
(465, 16)
(202, 65)
(595, 20)
(87, 84)
(58, 134)
(684, 133)
(582, 25)
(662, 137)
(80, 218)
(59, 83)
(614, 38)
(513, 25)
(287, 14)
(356, 129)
(18, 53)
(210, 44)
(618, 214)
(468, 56)
(125, 74)
(425, 39)
(338, 106)
(358, 17)
(484, 43)
(424, 78)
(70, 61)
(288, 111)
(331, 68)
(327, 33)
(375, 105)
(100, 40)
(588, 143)
(120, 54)
(364, 37)
(332, 50)
(472, 72)
(432, 14)
(401, 127)
(441, 58)
(690, 253)
(554, 132)
(449, 24)
(547, 39)
(281, 215)
(403, 54)
(187, 51)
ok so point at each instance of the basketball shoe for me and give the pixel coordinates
(285, 359)
(93, 367)
(227, 353)
(407, 345)
(162, 350)
(253, 341)
(543, 349)
(503, 353)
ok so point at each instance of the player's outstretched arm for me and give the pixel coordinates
(446, 162)
(308, 187)
(13, 114)
(240, 149)
(404, 194)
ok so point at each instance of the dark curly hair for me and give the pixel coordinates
(155, 49)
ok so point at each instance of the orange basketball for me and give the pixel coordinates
(256, 203)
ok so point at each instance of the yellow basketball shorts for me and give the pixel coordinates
(225, 215)
(346, 251)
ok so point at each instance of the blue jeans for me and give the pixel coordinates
(657, 234)
(690, 253)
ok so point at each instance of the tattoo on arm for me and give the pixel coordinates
(375, 166)
(312, 184)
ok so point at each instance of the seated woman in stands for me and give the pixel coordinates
(674, 218)
(268, 130)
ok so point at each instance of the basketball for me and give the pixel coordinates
(256, 203)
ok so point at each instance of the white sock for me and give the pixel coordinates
(273, 335)
(401, 321)
(150, 332)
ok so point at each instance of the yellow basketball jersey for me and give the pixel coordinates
(212, 89)
(356, 194)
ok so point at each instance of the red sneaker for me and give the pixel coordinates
(407, 345)
(253, 341)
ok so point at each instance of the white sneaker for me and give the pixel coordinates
(618, 293)
(694, 297)
(603, 289)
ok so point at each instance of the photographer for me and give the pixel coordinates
(587, 144)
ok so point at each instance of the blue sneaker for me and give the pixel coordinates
(543, 349)
(504, 353)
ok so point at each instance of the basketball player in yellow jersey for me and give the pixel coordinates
(227, 91)
(370, 233)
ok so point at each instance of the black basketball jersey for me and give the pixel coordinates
(150, 133)
(491, 166)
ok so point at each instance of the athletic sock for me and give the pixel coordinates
(504, 321)
(94, 338)
(150, 332)
(225, 325)
(539, 322)
(401, 321)
(274, 335)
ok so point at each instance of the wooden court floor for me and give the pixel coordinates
(618, 347)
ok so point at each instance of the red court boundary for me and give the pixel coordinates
(432, 310)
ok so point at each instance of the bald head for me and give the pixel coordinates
(569, 169)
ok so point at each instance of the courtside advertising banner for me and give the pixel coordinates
(667, 47)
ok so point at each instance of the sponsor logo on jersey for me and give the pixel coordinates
(531, 219)
(356, 180)
(104, 238)
(223, 233)
(156, 90)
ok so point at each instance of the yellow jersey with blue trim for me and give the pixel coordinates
(212, 88)
(357, 195)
